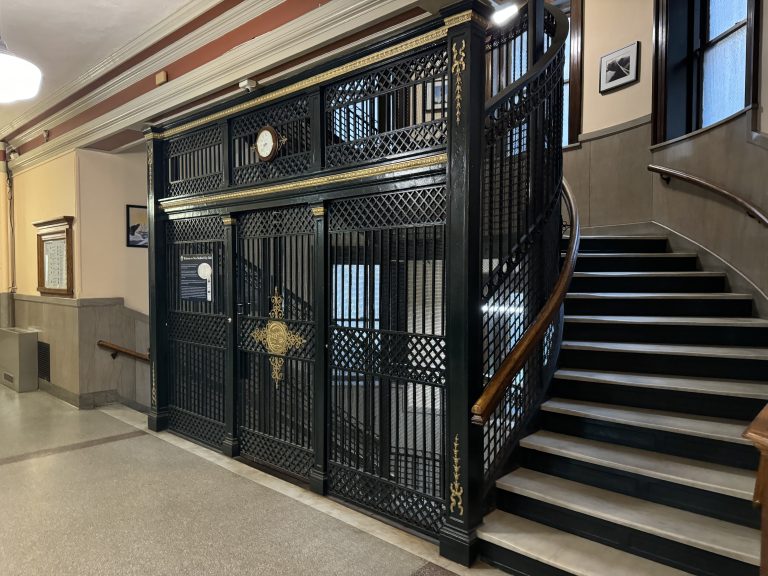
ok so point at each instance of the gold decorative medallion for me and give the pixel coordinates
(457, 67)
(457, 492)
(276, 338)
(318, 211)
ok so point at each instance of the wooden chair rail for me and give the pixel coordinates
(751, 210)
(532, 337)
(124, 351)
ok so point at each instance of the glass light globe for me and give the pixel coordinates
(19, 78)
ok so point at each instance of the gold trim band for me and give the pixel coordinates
(189, 203)
(318, 211)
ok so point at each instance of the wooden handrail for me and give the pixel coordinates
(757, 433)
(124, 351)
(533, 336)
(751, 210)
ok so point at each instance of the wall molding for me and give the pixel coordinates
(239, 15)
(701, 131)
(323, 25)
(168, 25)
(616, 129)
(70, 302)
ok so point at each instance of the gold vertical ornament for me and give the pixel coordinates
(457, 492)
(457, 67)
(276, 338)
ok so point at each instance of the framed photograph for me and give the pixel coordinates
(620, 68)
(137, 231)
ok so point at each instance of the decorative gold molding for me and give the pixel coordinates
(153, 136)
(189, 203)
(227, 220)
(457, 67)
(318, 211)
(457, 491)
(154, 387)
(463, 17)
(391, 52)
(276, 338)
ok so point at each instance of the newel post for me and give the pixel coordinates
(467, 23)
(158, 412)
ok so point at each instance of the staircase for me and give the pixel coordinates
(638, 466)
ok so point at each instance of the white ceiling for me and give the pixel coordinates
(66, 38)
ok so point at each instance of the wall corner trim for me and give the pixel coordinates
(611, 130)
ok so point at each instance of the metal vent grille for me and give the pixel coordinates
(44, 361)
(8, 377)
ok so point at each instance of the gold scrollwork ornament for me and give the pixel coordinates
(277, 338)
(457, 67)
(457, 491)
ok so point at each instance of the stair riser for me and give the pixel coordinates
(659, 399)
(648, 284)
(619, 245)
(636, 264)
(681, 556)
(687, 446)
(514, 563)
(671, 494)
(724, 307)
(667, 334)
(676, 365)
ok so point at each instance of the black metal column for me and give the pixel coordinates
(466, 46)
(231, 445)
(318, 475)
(158, 413)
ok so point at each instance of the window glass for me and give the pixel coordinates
(723, 83)
(725, 13)
(566, 102)
(567, 85)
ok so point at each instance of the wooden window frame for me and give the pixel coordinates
(698, 44)
(55, 229)
(575, 82)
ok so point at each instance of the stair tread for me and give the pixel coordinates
(667, 320)
(708, 351)
(565, 551)
(629, 273)
(714, 386)
(660, 295)
(717, 478)
(702, 532)
(721, 429)
(637, 254)
(620, 237)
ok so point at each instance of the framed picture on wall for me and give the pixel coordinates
(54, 257)
(620, 68)
(137, 231)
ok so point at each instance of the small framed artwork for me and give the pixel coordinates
(54, 257)
(620, 68)
(137, 231)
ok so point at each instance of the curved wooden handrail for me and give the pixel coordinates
(533, 336)
(751, 210)
(757, 433)
(124, 351)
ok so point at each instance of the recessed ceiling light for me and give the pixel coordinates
(19, 78)
(504, 13)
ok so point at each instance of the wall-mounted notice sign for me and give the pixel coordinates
(197, 277)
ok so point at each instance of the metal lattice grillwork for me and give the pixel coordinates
(275, 285)
(291, 120)
(387, 354)
(521, 224)
(393, 110)
(196, 334)
(194, 162)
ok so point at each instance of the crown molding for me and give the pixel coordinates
(219, 26)
(324, 25)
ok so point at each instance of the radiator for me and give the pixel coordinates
(18, 359)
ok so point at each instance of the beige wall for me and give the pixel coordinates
(5, 270)
(107, 182)
(608, 26)
(41, 193)
(764, 71)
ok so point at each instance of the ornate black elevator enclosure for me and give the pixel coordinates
(358, 288)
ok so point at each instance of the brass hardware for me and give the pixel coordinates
(457, 67)
(186, 203)
(277, 338)
(318, 211)
(457, 491)
(227, 220)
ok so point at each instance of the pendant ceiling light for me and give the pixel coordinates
(19, 78)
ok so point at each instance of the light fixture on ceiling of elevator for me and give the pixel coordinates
(19, 78)
(504, 13)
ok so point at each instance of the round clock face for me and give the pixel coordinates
(266, 144)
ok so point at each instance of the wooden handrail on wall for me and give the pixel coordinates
(757, 433)
(751, 210)
(124, 351)
(533, 336)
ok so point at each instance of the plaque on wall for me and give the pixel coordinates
(196, 277)
(54, 256)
